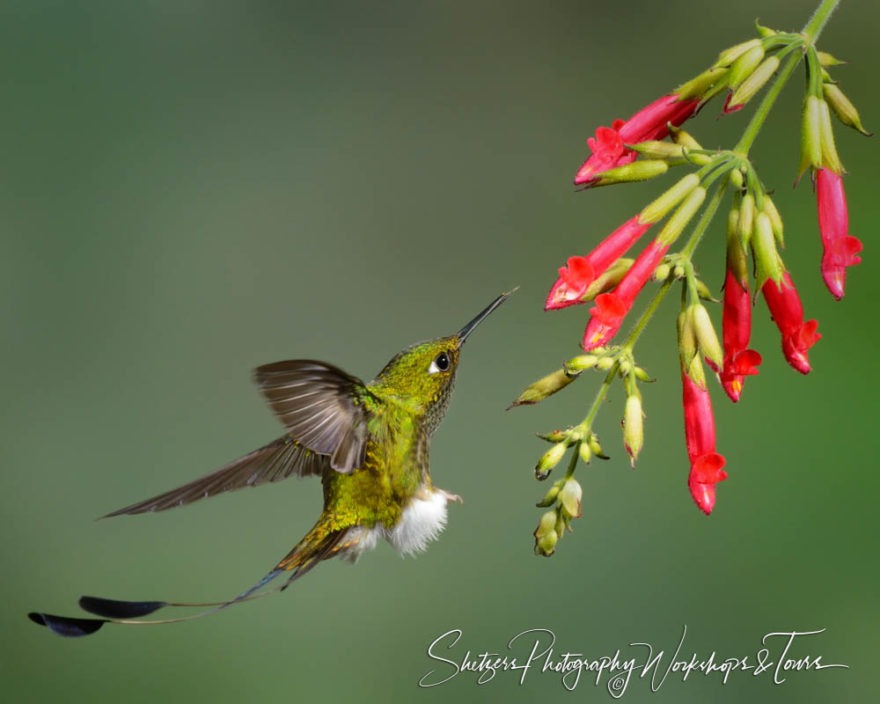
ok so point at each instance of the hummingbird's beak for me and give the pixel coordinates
(469, 328)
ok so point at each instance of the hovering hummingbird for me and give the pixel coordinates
(367, 442)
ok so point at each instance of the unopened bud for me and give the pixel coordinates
(745, 66)
(542, 388)
(682, 216)
(608, 279)
(765, 32)
(846, 112)
(736, 179)
(684, 138)
(570, 498)
(811, 139)
(700, 85)
(641, 170)
(549, 460)
(751, 85)
(550, 497)
(707, 339)
(581, 363)
(746, 223)
(768, 264)
(641, 374)
(654, 149)
(605, 363)
(703, 292)
(584, 452)
(662, 272)
(545, 534)
(731, 54)
(769, 207)
(668, 200)
(633, 427)
(830, 159)
(826, 60)
(595, 447)
(554, 436)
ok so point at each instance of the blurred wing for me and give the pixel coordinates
(321, 407)
(270, 463)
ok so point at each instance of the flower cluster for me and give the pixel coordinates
(646, 146)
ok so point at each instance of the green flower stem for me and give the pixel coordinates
(811, 32)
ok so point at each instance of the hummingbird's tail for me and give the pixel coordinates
(317, 545)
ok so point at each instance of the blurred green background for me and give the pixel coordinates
(193, 189)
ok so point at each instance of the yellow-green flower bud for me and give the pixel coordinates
(662, 272)
(745, 66)
(543, 387)
(595, 447)
(667, 201)
(707, 339)
(736, 179)
(826, 60)
(769, 207)
(642, 170)
(830, 159)
(570, 498)
(768, 264)
(701, 84)
(550, 459)
(550, 497)
(811, 138)
(584, 452)
(682, 216)
(731, 54)
(687, 348)
(554, 436)
(703, 292)
(765, 32)
(654, 149)
(751, 85)
(633, 427)
(684, 138)
(641, 374)
(545, 534)
(581, 363)
(605, 363)
(746, 223)
(846, 112)
(608, 279)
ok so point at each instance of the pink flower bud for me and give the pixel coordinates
(707, 466)
(840, 248)
(736, 329)
(788, 314)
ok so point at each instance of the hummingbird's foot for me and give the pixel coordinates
(451, 497)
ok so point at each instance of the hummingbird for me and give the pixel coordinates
(367, 442)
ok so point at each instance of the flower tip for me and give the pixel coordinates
(703, 495)
(733, 389)
(727, 108)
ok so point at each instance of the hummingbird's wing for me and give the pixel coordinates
(270, 463)
(321, 406)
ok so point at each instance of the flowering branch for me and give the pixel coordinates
(644, 147)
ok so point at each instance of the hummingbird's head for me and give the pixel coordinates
(422, 375)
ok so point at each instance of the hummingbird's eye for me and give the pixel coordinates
(440, 364)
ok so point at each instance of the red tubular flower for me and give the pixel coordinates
(651, 122)
(840, 248)
(611, 308)
(788, 314)
(575, 278)
(707, 466)
(736, 329)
